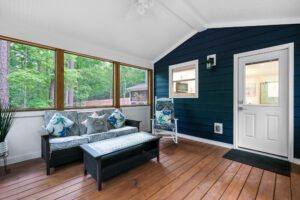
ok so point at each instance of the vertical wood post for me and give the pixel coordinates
(59, 86)
(117, 84)
(150, 91)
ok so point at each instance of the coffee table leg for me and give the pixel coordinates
(99, 175)
(158, 150)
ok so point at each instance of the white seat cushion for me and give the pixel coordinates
(67, 142)
(111, 133)
(114, 144)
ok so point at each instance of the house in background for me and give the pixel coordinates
(138, 94)
(111, 73)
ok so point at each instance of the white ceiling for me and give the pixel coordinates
(113, 27)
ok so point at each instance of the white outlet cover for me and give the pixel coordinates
(218, 128)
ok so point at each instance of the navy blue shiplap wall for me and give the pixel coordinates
(215, 102)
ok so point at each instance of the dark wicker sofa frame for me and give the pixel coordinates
(64, 156)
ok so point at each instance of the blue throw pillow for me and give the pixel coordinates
(59, 125)
(116, 119)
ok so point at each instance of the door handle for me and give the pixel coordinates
(241, 108)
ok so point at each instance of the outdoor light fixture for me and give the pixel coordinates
(211, 62)
(143, 6)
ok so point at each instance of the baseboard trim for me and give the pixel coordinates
(213, 142)
(29, 156)
(296, 161)
(21, 158)
(222, 144)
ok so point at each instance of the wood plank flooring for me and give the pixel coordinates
(189, 170)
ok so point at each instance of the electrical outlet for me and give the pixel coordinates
(218, 128)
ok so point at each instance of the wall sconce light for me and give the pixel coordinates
(211, 61)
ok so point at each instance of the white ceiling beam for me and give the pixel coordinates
(259, 22)
(184, 11)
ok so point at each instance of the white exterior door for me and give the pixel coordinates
(263, 102)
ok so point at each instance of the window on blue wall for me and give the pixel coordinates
(183, 80)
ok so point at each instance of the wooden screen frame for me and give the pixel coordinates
(149, 82)
(95, 58)
(59, 78)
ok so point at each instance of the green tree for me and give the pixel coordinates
(31, 75)
(130, 76)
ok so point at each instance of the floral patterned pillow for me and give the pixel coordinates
(59, 125)
(163, 117)
(116, 119)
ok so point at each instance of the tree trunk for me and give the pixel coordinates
(52, 91)
(71, 86)
(66, 95)
(25, 97)
(4, 50)
(125, 88)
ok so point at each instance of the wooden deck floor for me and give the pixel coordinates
(190, 170)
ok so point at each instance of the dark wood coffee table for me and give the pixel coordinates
(108, 158)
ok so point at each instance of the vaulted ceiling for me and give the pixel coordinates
(115, 30)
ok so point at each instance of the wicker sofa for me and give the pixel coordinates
(57, 151)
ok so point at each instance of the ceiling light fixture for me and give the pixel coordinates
(143, 6)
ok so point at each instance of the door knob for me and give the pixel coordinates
(241, 108)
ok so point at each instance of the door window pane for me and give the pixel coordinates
(27, 76)
(134, 86)
(262, 83)
(88, 82)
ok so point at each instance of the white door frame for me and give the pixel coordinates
(290, 48)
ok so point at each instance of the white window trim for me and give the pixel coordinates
(182, 65)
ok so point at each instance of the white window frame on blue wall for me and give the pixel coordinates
(183, 66)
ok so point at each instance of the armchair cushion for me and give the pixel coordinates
(163, 117)
(164, 104)
(164, 126)
(67, 142)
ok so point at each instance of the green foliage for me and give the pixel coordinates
(31, 71)
(6, 119)
(91, 79)
(32, 76)
(130, 76)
